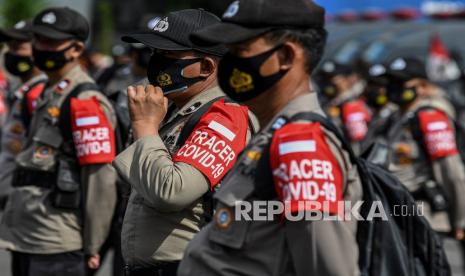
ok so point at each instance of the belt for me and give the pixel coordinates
(24, 177)
(160, 269)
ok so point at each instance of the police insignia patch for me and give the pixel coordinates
(223, 217)
(42, 152)
(53, 111)
(17, 129)
(15, 146)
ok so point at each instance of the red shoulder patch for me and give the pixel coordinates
(356, 117)
(306, 173)
(93, 135)
(32, 95)
(217, 140)
(438, 134)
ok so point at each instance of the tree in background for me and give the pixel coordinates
(104, 25)
(16, 10)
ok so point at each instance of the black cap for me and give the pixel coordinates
(60, 24)
(171, 33)
(331, 68)
(246, 19)
(21, 31)
(406, 68)
(377, 73)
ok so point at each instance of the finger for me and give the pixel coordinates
(140, 92)
(166, 101)
(131, 93)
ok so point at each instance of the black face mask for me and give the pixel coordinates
(240, 78)
(399, 94)
(167, 73)
(17, 65)
(50, 60)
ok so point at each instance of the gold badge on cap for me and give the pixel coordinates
(408, 95)
(49, 63)
(164, 79)
(241, 81)
(223, 218)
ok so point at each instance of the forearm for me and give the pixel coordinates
(450, 173)
(99, 205)
(165, 185)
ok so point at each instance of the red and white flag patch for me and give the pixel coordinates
(438, 134)
(93, 135)
(218, 138)
(304, 169)
(356, 117)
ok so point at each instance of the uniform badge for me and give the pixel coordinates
(404, 152)
(62, 85)
(223, 217)
(53, 111)
(334, 112)
(254, 155)
(43, 152)
(17, 129)
(15, 146)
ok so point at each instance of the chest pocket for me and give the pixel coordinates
(405, 149)
(238, 186)
(46, 143)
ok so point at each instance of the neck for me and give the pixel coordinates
(277, 99)
(55, 76)
(35, 72)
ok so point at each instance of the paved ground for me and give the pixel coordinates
(5, 265)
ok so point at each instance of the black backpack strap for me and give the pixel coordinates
(64, 120)
(193, 120)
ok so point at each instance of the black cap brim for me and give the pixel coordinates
(155, 41)
(8, 35)
(226, 33)
(51, 33)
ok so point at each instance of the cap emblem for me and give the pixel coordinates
(21, 24)
(377, 70)
(329, 67)
(162, 25)
(232, 10)
(399, 64)
(49, 18)
(241, 82)
(223, 218)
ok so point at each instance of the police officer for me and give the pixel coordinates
(273, 48)
(344, 87)
(176, 159)
(18, 61)
(424, 153)
(376, 98)
(60, 209)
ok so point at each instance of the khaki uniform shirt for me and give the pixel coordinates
(13, 137)
(165, 207)
(411, 165)
(262, 248)
(30, 223)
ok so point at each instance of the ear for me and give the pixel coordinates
(287, 55)
(207, 67)
(77, 50)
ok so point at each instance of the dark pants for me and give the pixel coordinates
(63, 264)
(165, 269)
